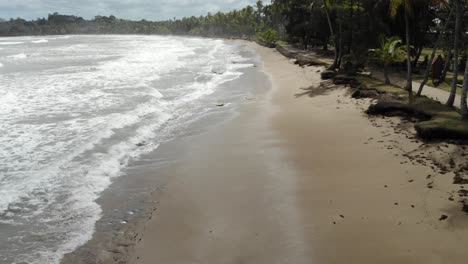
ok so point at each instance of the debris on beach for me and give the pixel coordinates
(443, 217)
(465, 207)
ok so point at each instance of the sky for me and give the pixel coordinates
(128, 9)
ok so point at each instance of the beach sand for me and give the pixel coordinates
(302, 175)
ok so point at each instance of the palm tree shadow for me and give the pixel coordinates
(312, 91)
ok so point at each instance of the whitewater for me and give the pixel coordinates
(75, 110)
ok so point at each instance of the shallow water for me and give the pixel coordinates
(76, 110)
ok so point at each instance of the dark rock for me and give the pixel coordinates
(465, 208)
(432, 131)
(459, 180)
(328, 74)
(362, 93)
(343, 79)
(395, 109)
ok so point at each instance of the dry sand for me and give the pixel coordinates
(303, 176)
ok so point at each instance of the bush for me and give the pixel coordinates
(354, 62)
(269, 36)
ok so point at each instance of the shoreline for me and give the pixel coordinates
(129, 202)
(302, 176)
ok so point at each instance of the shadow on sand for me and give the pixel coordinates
(323, 89)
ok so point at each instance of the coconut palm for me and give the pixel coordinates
(458, 18)
(434, 50)
(332, 34)
(389, 52)
(394, 6)
(463, 106)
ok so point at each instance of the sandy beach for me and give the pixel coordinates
(302, 175)
(234, 132)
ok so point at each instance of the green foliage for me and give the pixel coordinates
(389, 52)
(354, 62)
(237, 23)
(269, 36)
(356, 23)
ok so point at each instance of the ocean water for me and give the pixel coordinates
(75, 110)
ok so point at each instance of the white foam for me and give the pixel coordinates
(40, 41)
(68, 131)
(20, 56)
(11, 42)
(1, 65)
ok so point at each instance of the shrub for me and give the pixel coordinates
(269, 36)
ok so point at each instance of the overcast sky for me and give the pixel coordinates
(130, 9)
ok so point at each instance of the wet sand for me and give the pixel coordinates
(302, 175)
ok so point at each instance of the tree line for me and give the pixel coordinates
(397, 31)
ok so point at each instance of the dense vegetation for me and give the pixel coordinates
(235, 23)
(349, 28)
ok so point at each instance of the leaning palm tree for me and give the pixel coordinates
(458, 18)
(389, 52)
(434, 50)
(463, 106)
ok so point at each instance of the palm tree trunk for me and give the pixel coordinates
(447, 64)
(416, 59)
(463, 106)
(387, 80)
(453, 91)
(351, 24)
(340, 41)
(409, 81)
(335, 61)
(434, 50)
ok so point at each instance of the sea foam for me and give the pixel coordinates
(20, 56)
(10, 42)
(40, 41)
(67, 131)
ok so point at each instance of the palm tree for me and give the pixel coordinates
(463, 106)
(332, 34)
(453, 91)
(394, 7)
(434, 50)
(389, 52)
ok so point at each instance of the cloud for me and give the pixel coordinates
(129, 9)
